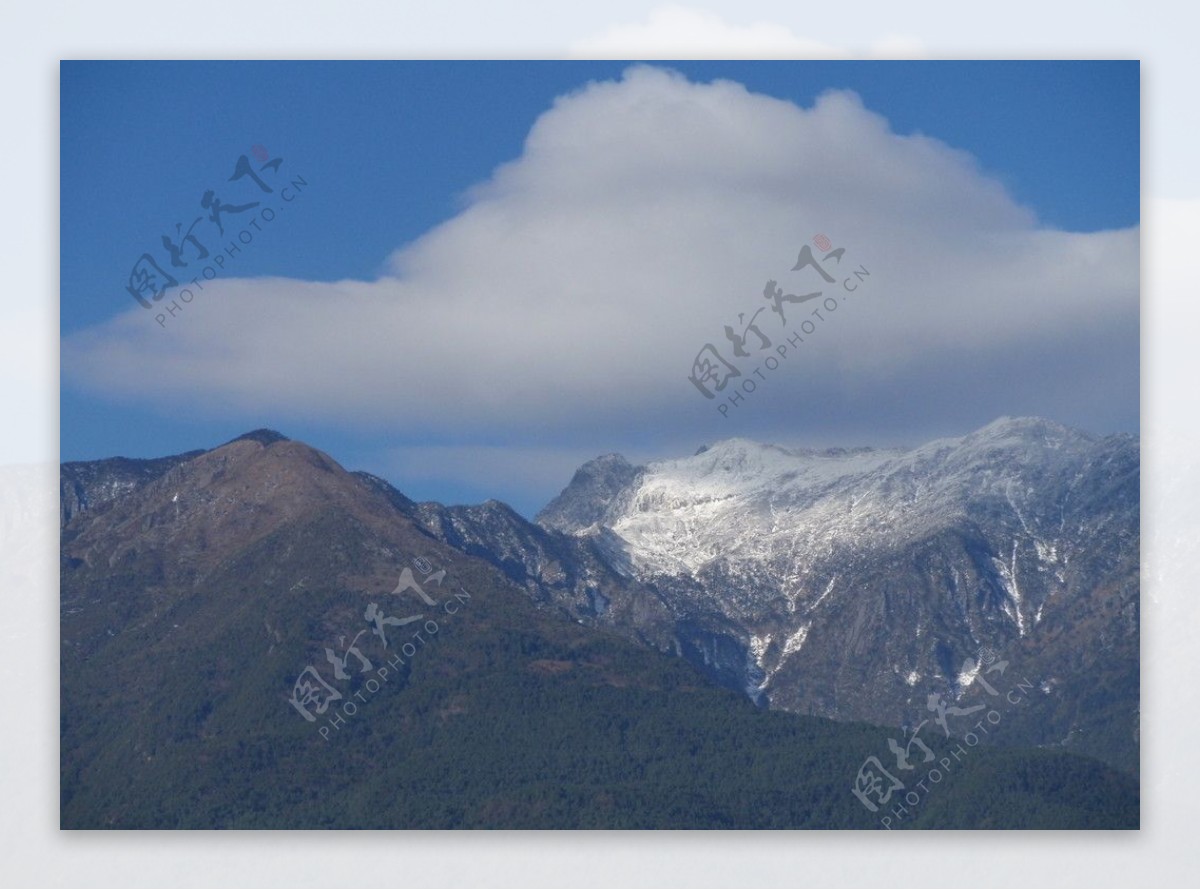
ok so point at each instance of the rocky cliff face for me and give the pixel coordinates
(592, 495)
(87, 485)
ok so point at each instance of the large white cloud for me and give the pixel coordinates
(569, 297)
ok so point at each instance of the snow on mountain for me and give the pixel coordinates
(750, 505)
(845, 581)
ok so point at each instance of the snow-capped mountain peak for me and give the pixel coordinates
(836, 572)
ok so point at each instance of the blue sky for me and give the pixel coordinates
(390, 151)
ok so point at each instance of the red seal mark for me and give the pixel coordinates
(822, 242)
(260, 152)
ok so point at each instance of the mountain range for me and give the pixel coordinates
(716, 641)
